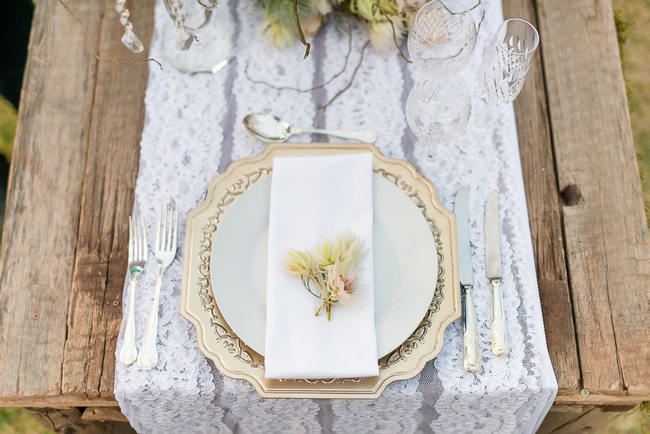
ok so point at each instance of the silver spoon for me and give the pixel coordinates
(269, 128)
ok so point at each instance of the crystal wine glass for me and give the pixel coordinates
(507, 61)
(437, 111)
(442, 38)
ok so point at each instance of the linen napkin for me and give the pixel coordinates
(314, 199)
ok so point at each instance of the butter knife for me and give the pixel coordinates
(471, 359)
(494, 274)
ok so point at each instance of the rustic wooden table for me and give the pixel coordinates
(75, 165)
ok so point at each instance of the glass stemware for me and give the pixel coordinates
(437, 111)
(504, 67)
(442, 38)
(200, 40)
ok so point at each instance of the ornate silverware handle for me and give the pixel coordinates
(499, 336)
(471, 359)
(148, 357)
(366, 136)
(129, 351)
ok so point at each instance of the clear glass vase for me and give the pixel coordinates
(200, 37)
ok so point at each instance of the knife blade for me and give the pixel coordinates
(494, 273)
(462, 225)
(471, 360)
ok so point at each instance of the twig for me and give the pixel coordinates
(347, 86)
(376, 7)
(319, 86)
(478, 3)
(300, 33)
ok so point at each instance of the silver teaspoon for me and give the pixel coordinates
(269, 128)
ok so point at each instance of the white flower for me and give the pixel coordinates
(381, 36)
(323, 7)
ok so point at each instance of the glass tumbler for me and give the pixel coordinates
(442, 37)
(506, 62)
(200, 36)
(437, 111)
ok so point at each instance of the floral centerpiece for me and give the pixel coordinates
(387, 21)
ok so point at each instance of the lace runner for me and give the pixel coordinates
(193, 131)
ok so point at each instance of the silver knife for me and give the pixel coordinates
(471, 359)
(493, 270)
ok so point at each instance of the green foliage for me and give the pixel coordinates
(18, 421)
(635, 421)
(8, 119)
(282, 10)
(632, 20)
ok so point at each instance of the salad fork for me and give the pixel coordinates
(164, 253)
(138, 252)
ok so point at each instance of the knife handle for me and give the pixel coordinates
(499, 336)
(471, 359)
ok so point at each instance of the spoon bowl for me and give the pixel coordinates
(267, 128)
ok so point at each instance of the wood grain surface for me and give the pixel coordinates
(544, 213)
(75, 165)
(95, 308)
(70, 192)
(606, 235)
(44, 201)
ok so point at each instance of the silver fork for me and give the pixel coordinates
(164, 252)
(138, 253)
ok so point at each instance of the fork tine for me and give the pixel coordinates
(163, 246)
(175, 233)
(136, 241)
(159, 231)
(145, 246)
(170, 225)
(130, 238)
(139, 239)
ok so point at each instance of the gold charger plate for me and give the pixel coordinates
(235, 359)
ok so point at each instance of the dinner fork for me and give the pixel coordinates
(138, 252)
(164, 253)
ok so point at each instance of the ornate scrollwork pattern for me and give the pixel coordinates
(225, 336)
(417, 337)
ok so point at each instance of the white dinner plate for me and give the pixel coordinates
(405, 268)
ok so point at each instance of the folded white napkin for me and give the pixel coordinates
(314, 199)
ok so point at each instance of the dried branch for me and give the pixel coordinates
(347, 86)
(319, 86)
(300, 33)
(377, 8)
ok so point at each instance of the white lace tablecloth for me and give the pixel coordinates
(193, 131)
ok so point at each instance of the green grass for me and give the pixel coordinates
(8, 120)
(19, 421)
(632, 19)
(636, 421)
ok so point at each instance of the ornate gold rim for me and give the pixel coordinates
(233, 358)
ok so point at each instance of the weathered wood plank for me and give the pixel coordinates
(57, 401)
(103, 414)
(95, 310)
(70, 420)
(42, 213)
(543, 201)
(556, 420)
(604, 222)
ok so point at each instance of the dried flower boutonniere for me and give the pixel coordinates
(328, 272)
